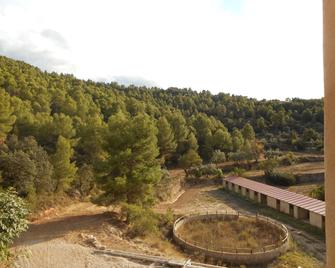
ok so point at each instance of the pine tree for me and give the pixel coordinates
(237, 140)
(6, 118)
(180, 131)
(64, 169)
(191, 142)
(166, 142)
(132, 168)
(18, 171)
(248, 132)
(222, 140)
(89, 149)
(190, 159)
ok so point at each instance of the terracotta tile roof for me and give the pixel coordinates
(299, 200)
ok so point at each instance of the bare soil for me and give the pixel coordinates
(58, 239)
(58, 253)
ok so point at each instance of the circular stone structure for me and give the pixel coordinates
(232, 238)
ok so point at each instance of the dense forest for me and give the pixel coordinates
(61, 135)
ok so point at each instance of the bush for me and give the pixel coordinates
(166, 222)
(13, 213)
(218, 157)
(283, 179)
(206, 170)
(238, 171)
(269, 154)
(141, 221)
(269, 165)
(164, 187)
(288, 159)
(318, 193)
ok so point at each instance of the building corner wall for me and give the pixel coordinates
(329, 80)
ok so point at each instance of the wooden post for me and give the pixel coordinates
(329, 145)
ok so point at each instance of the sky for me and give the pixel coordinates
(257, 48)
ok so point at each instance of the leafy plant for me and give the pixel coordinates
(284, 179)
(318, 193)
(288, 159)
(141, 221)
(238, 171)
(205, 170)
(13, 212)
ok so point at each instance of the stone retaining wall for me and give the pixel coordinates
(233, 255)
(310, 177)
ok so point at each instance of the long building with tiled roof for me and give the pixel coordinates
(297, 205)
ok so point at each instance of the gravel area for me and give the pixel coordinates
(61, 254)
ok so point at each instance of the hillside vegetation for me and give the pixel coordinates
(63, 135)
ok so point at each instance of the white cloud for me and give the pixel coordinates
(266, 49)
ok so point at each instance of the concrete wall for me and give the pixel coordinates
(251, 194)
(237, 189)
(230, 186)
(244, 191)
(315, 219)
(237, 256)
(300, 213)
(285, 207)
(329, 127)
(310, 177)
(271, 202)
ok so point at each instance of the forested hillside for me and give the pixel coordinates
(62, 135)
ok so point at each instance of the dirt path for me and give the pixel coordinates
(59, 240)
(196, 199)
(58, 253)
(75, 218)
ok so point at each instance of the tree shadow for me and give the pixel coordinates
(57, 228)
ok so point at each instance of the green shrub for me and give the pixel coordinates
(205, 170)
(238, 171)
(318, 193)
(166, 222)
(269, 165)
(13, 213)
(141, 221)
(283, 179)
(218, 157)
(270, 154)
(288, 159)
(164, 187)
(197, 172)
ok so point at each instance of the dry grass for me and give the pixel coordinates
(241, 233)
(309, 167)
(296, 257)
(304, 189)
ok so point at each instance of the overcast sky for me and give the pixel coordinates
(258, 48)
